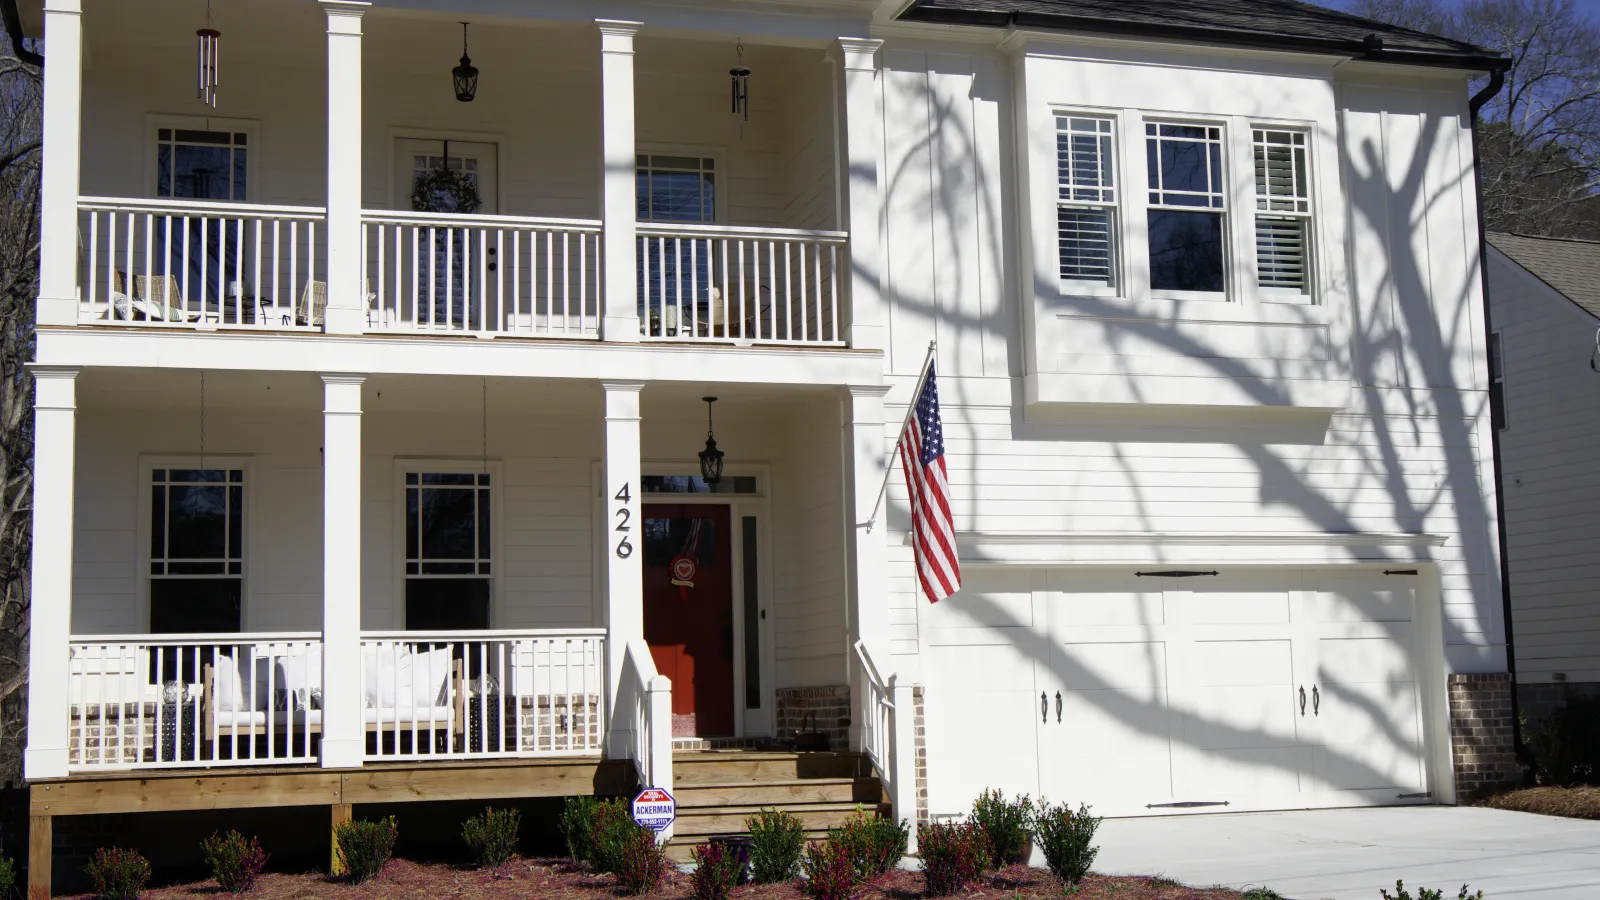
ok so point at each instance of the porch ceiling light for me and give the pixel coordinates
(710, 457)
(465, 75)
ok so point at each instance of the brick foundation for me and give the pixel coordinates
(1481, 736)
(922, 754)
(825, 709)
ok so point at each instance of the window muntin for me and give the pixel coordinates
(1283, 211)
(676, 188)
(196, 550)
(448, 556)
(1187, 205)
(1086, 199)
(200, 165)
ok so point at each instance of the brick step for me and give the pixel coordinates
(780, 793)
(718, 820)
(728, 766)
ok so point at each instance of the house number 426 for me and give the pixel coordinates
(624, 549)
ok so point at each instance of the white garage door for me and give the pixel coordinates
(1252, 689)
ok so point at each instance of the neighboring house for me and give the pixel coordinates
(330, 491)
(1544, 301)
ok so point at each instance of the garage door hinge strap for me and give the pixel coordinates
(1421, 796)
(1174, 573)
(1186, 804)
(1399, 571)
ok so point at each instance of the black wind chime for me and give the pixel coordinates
(739, 76)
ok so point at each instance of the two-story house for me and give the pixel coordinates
(370, 405)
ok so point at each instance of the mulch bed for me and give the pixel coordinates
(561, 880)
(1573, 802)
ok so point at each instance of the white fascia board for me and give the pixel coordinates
(1159, 549)
(463, 356)
(1188, 391)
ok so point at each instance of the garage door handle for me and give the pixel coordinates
(1316, 701)
(1058, 706)
(1044, 707)
(1302, 699)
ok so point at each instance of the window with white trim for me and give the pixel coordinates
(1283, 212)
(1086, 199)
(1188, 207)
(447, 565)
(196, 550)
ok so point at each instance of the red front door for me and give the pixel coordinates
(690, 629)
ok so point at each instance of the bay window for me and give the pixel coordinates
(1283, 212)
(1188, 204)
(1086, 201)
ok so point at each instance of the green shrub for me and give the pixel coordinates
(577, 823)
(365, 847)
(234, 860)
(873, 844)
(641, 863)
(1067, 839)
(611, 834)
(8, 875)
(1005, 823)
(118, 874)
(1400, 893)
(777, 841)
(717, 868)
(953, 856)
(1261, 893)
(830, 872)
(1566, 745)
(492, 837)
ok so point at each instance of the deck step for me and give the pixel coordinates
(779, 792)
(717, 820)
(727, 766)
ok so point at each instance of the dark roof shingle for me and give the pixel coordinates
(1274, 24)
(1570, 266)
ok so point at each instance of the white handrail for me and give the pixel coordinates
(646, 698)
(888, 736)
(493, 634)
(660, 229)
(402, 217)
(220, 637)
(164, 204)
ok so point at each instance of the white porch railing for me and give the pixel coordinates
(888, 736)
(645, 698)
(201, 700)
(740, 284)
(483, 694)
(193, 263)
(484, 275)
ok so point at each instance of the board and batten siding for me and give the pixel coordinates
(1551, 472)
(1407, 453)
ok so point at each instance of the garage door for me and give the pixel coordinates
(1250, 689)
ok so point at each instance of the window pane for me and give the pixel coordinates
(483, 524)
(195, 605)
(444, 604)
(1085, 240)
(752, 616)
(235, 522)
(448, 524)
(1185, 251)
(676, 197)
(694, 484)
(158, 522)
(413, 532)
(203, 476)
(190, 136)
(164, 171)
(460, 478)
(197, 522)
(1185, 166)
(202, 173)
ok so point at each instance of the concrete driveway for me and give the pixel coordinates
(1349, 854)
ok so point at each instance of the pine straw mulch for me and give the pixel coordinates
(1580, 802)
(561, 880)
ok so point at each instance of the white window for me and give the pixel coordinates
(1283, 212)
(196, 550)
(1188, 205)
(201, 165)
(1086, 200)
(448, 566)
(676, 188)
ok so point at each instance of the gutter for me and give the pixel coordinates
(1497, 80)
(13, 22)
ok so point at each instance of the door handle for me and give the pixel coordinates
(1058, 706)
(1302, 699)
(1316, 701)
(1044, 707)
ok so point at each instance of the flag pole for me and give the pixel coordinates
(911, 409)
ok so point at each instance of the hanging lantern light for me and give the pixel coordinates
(739, 76)
(465, 75)
(710, 457)
(210, 40)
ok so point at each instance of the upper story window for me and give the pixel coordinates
(1283, 211)
(1086, 199)
(676, 188)
(1187, 207)
(448, 566)
(1497, 382)
(196, 550)
(200, 165)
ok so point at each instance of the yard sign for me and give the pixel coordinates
(654, 809)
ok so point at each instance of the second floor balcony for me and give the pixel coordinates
(598, 185)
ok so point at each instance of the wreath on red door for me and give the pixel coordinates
(686, 565)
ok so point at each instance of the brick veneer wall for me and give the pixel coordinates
(827, 709)
(921, 755)
(1481, 737)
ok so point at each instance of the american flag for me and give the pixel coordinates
(932, 526)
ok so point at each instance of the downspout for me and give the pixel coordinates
(13, 21)
(1497, 80)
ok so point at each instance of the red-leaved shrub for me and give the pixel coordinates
(641, 863)
(718, 867)
(118, 874)
(953, 856)
(830, 872)
(235, 860)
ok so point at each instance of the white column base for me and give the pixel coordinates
(343, 320)
(343, 754)
(44, 762)
(621, 329)
(57, 311)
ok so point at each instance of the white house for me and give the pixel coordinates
(330, 491)
(1544, 300)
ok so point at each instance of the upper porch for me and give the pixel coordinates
(600, 186)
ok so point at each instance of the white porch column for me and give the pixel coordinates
(618, 201)
(54, 452)
(862, 131)
(58, 189)
(866, 462)
(623, 527)
(343, 732)
(345, 312)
